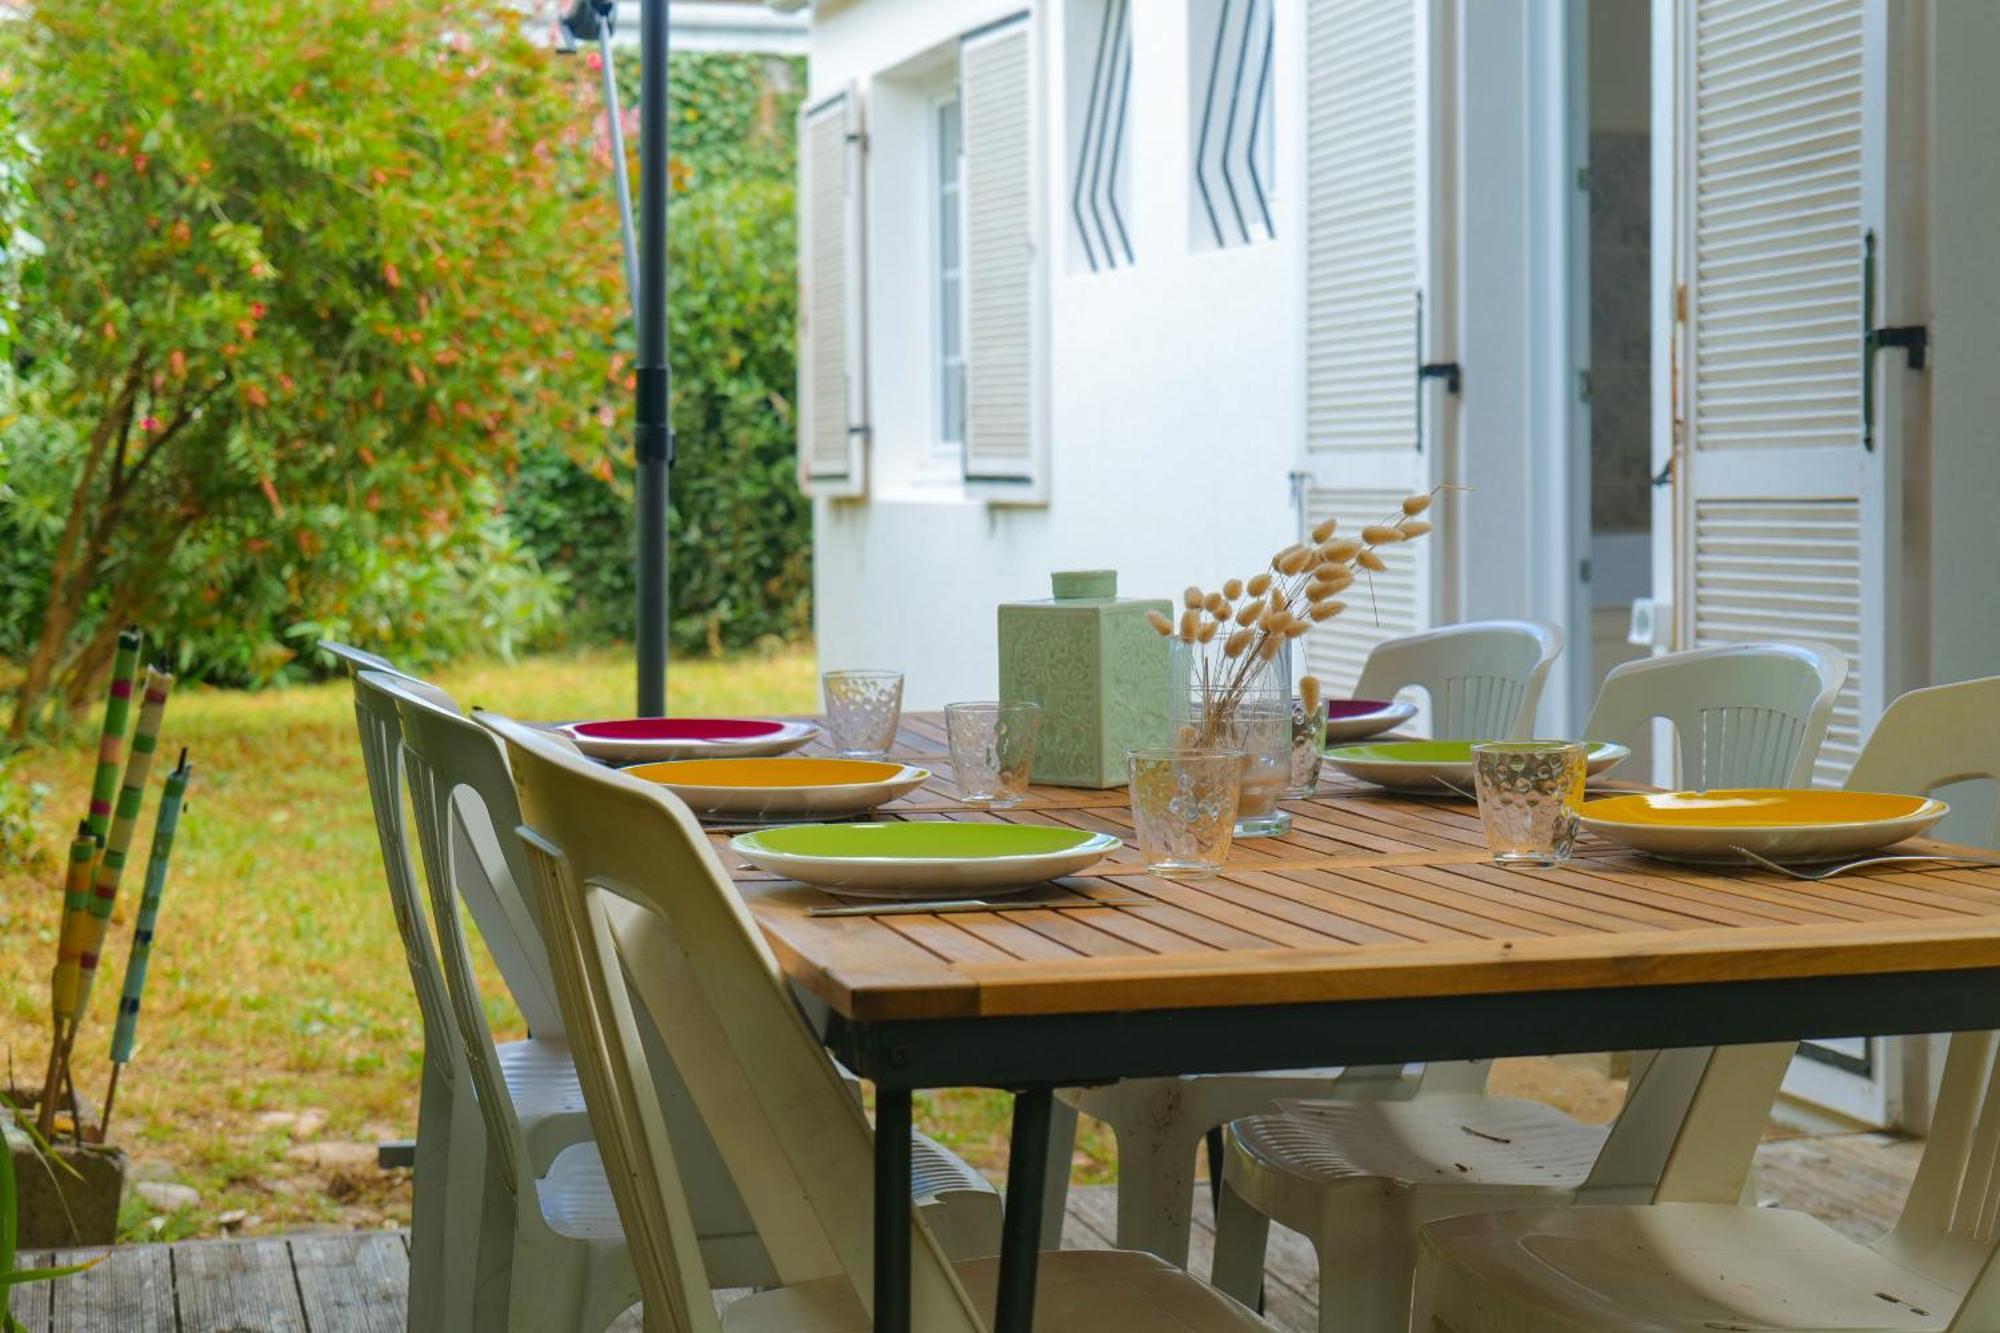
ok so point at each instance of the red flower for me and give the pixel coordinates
(149, 424)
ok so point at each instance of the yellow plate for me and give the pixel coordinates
(1773, 822)
(765, 772)
(782, 788)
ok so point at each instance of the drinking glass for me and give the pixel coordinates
(1529, 792)
(1308, 742)
(992, 750)
(1184, 808)
(862, 711)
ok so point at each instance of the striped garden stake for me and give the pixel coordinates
(111, 742)
(111, 866)
(104, 786)
(164, 826)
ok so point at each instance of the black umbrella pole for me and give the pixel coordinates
(655, 441)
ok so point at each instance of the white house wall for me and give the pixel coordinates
(1172, 383)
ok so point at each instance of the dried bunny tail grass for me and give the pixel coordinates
(1416, 504)
(1331, 575)
(1278, 560)
(1258, 585)
(1218, 605)
(1297, 628)
(1208, 630)
(1297, 560)
(1323, 530)
(1268, 646)
(1192, 598)
(1341, 551)
(1381, 534)
(1415, 527)
(1190, 624)
(1372, 562)
(1232, 590)
(1248, 615)
(1309, 694)
(1186, 737)
(1272, 621)
(1237, 643)
(1159, 622)
(1325, 611)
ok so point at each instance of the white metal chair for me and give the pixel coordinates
(1648, 1266)
(638, 909)
(1484, 680)
(1693, 1262)
(1358, 1179)
(1744, 715)
(1933, 737)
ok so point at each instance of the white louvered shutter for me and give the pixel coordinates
(833, 384)
(1004, 438)
(1785, 520)
(1774, 513)
(1369, 235)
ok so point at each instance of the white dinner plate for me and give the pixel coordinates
(648, 740)
(1434, 768)
(927, 860)
(1358, 719)
(783, 788)
(1778, 823)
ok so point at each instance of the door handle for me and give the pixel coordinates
(1914, 340)
(1448, 371)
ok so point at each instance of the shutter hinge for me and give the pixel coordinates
(1665, 476)
(1583, 386)
(859, 138)
(1681, 302)
(1583, 178)
(1583, 570)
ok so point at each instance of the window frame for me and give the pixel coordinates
(945, 454)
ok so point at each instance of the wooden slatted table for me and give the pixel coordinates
(1377, 931)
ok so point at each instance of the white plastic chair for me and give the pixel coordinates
(639, 909)
(1933, 737)
(441, 1254)
(1358, 1179)
(1799, 1275)
(1484, 678)
(1694, 1262)
(1744, 715)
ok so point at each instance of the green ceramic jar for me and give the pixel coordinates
(1095, 665)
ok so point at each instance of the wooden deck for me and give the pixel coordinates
(354, 1283)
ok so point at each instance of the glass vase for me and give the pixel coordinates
(1230, 704)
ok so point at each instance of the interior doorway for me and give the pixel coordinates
(1617, 382)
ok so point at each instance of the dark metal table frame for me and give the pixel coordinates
(1032, 1056)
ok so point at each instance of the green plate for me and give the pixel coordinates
(927, 860)
(1434, 767)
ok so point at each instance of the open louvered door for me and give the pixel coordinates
(833, 384)
(1783, 528)
(1376, 302)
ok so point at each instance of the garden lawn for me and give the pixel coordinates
(280, 1040)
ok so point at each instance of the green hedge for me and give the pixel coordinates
(740, 544)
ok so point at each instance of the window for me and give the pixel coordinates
(1230, 141)
(947, 246)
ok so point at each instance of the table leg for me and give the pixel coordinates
(892, 1210)
(1021, 1224)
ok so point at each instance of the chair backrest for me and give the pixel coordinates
(488, 867)
(638, 906)
(1933, 737)
(1744, 715)
(381, 733)
(1484, 678)
(359, 659)
(439, 762)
